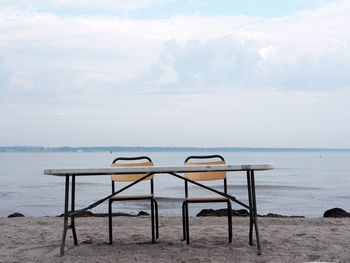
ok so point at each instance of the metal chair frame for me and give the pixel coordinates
(185, 214)
(154, 204)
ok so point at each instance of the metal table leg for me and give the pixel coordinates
(72, 210)
(251, 219)
(255, 213)
(67, 213)
(253, 209)
(65, 221)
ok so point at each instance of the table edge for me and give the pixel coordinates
(157, 169)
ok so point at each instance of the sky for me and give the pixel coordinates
(175, 73)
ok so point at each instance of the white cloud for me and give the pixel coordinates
(100, 74)
(116, 3)
(104, 4)
(96, 54)
(206, 65)
(60, 114)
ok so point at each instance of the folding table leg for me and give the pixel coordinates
(66, 214)
(65, 221)
(187, 224)
(156, 215)
(229, 215)
(152, 220)
(255, 212)
(72, 210)
(251, 219)
(183, 221)
(110, 224)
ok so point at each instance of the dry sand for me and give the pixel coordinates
(283, 240)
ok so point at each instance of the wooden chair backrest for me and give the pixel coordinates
(130, 177)
(206, 176)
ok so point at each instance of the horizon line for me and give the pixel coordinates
(111, 148)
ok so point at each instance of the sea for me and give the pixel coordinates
(303, 182)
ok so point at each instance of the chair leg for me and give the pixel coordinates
(183, 221)
(152, 220)
(229, 219)
(187, 224)
(110, 222)
(157, 219)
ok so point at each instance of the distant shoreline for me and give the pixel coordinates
(162, 149)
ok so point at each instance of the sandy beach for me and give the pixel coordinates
(283, 240)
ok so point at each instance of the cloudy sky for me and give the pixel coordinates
(175, 73)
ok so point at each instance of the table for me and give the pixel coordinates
(71, 174)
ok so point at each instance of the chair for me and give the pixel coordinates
(204, 176)
(130, 162)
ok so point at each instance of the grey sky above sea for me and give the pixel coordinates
(180, 73)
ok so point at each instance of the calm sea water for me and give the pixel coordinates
(302, 183)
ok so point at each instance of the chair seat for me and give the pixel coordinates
(207, 199)
(130, 197)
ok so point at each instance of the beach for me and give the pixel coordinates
(302, 184)
(183, 111)
(37, 239)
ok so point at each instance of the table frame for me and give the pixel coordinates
(72, 173)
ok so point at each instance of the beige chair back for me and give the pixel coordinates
(130, 177)
(206, 176)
